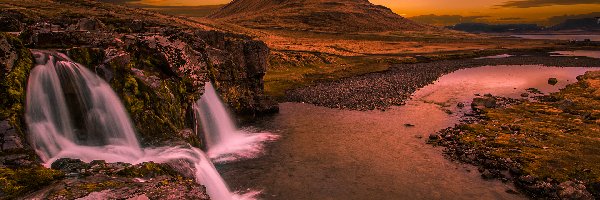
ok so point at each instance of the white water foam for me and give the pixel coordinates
(73, 113)
(224, 141)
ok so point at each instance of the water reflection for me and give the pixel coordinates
(582, 53)
(340, 154)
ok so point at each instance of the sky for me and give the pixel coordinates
(491, 10)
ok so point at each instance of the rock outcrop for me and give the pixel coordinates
(158, 69)
(158, 66)
(101, 180)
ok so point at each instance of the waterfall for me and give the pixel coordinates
(224, 141)
(71, 112)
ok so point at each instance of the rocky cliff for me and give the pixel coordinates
(157, 64)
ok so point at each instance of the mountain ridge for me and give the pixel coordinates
(315, 15)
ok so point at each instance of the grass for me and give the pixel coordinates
(284, 76)
(559, 139)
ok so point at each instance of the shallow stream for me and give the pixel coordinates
(342, 154)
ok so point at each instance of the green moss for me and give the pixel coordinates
(84, 188)
(159, 111)
(16, 182)
(13, 84)
(558, 140)
(88, 57)
(147, 170)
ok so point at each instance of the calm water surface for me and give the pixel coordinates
(560, 37)
(340, 154)
(581, 53)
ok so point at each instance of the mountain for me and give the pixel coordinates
(495, 28)
(315, 15)
(585, 24)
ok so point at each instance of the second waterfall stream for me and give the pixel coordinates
(224, 141)
(73, 113)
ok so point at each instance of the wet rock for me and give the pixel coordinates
(101, 180)
(534, 91)
(8, 55)
(482, 103)
(486, 174)
(572, 190)
(10, 24)
(68, 165)
(434, 137)
(87, 24)
(594, 188)
(552, 81)
(9, 139)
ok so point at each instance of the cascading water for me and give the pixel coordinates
(73, 113)
(223, 140)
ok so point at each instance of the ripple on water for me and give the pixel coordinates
(343, 154)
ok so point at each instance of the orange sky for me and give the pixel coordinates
(411, 8)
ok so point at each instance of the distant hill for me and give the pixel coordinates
(316, 15)
(584, 24)
(496, 28)
(188, 11)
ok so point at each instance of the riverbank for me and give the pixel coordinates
(394, 86)
(548, 148)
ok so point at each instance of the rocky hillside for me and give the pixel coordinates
(156, 63)
(315, 15)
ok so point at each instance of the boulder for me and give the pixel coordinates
(88, 24)
(552, 81)
(10, 24)
(572, 190)
(68, 165)
(482, 103)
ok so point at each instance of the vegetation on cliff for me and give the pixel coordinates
(17, 62)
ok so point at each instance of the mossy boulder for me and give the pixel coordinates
(99, 179)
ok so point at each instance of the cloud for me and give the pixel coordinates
(445, 20)
(540, 3)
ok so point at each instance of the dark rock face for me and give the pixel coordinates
(156, 64)
(15, 63)
(9, 24)
(159, 75)
(241, 84)
(9, 140)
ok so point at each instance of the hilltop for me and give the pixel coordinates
(315, 15)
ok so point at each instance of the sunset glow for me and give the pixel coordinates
(493, 10)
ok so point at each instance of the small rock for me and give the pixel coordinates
(481, 103)
(525, 95)
(460, 105)
(69, 165)
(572, 190)
(552, 81)
(486, 174)
(409, 125)
(434, 136)
(527, 179)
